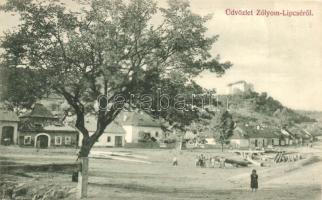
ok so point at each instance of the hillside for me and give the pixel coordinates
(253, 107)
(313, 114)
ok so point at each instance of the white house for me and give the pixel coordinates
(239, 138)
(113, 135)
(8, 127)
(239, 86)
(139, 125)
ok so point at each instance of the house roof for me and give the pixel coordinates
(237, 82)
(56, 128)
(245, 132)
(8, 116)
(298, 132)
(138, 119)
(39, 111)
(113, 127)
(239, 134)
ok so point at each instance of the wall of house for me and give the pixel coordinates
(239, 143)
(105, 140)
(275, 142)
(132, 132)
(15, 130)
(108, 139)
(58, 139)
(263, 142)
(128, 133)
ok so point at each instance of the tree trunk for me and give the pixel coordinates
(82, 178)
(85, 149)
(222, 147)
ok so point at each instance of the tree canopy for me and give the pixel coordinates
(108, 47)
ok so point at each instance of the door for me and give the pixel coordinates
(42, 140)
(118, 141)
(7, 135)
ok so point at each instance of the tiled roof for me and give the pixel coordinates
(39, 111)
(298, 132)
(8, 116)
(63, 128)
(244, 132)
(113, 127)
(137, 119)
(239, 134)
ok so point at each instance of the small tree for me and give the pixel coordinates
(223, 125)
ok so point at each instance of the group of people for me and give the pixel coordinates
(212, 161)
(209, 161)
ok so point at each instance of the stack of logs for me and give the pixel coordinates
(284, 157)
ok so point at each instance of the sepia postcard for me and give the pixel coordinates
(160, 99)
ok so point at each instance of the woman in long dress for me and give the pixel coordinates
(254, 181)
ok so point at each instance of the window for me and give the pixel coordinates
(58, 140)
(108, 138)
(68, 140)
(157, 134)
(27, 139)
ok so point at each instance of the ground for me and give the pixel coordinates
(112, 179)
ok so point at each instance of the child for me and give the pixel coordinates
(175, 161)
(254, 181)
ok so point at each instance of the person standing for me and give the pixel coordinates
(175, 161)
(254, 181)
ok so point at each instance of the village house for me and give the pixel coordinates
(239, 139)
(314, 129)
(254, 137)
(128, 128)
(138, 126)
(41, 128)
(54, 103)
(8, 127)
(113, 135)
(287, 138)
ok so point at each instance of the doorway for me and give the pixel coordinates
(42, 141)
(7, 135)
(118, 141)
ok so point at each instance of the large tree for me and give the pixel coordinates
(108, 47)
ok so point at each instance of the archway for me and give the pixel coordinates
(7, 135)
(43, 140)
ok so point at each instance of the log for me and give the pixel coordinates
(237, 162)
(277, 157)
(254, 162)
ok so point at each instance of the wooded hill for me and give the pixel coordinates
(253, 107)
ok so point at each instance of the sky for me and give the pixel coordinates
(280, 55)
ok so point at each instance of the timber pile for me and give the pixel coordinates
(285, 157)
(248, 155)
